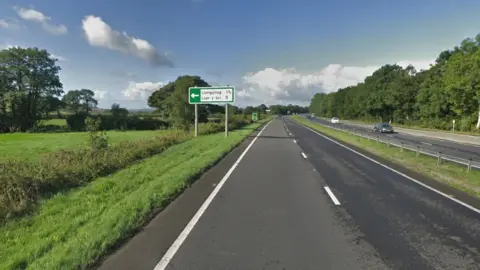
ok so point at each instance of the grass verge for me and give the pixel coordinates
(449, 173)
(23, 182)
(73, 230)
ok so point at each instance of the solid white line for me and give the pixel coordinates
(304, 156)
(163, 263)
(332, 196)
(397, 172)
(426, 143)
(294, 141)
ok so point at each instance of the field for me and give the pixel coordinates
(448, 173)
(32, 145)
(74, 229)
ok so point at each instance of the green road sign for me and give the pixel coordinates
(254, 116)
(209, 95)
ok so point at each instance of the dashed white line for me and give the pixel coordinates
(294, 141)
(332, 196)
(426, 143)
(163, 263)
(304, 156)
(395, 171)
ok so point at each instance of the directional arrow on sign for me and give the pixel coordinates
(195, 95)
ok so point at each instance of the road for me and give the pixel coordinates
(301, 201)
(449, 148)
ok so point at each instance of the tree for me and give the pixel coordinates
(172, 101)
(51, 104)
(117, 111)
(87, 99)
(160, 99)
(72, 100)
(27, 76)
(80, 99)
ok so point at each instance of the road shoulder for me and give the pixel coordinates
(146, 247)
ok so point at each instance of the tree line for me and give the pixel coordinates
(448, 90)
(31, 90)
(171, 101)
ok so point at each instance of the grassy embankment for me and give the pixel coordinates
(24, 181)
(73, 229)
(449, 173)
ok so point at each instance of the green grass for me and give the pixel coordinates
(32, 145)
(74, 229)
(449, 173)
(54, 122)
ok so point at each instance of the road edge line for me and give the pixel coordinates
(168, 256)
(395, 171)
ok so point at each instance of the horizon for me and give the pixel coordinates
(272, 52)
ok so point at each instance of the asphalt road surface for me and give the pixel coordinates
(301, 201)
(464, 151)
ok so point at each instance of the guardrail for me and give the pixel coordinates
(469, 163)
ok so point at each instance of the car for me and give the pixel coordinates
(335, 120)
(383, 128)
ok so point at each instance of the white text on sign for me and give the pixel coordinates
(216, 95)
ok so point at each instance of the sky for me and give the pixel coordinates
(272, 51)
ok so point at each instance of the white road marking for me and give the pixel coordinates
(397, 172)
(294, 141)
(168, 256)
(426, 143)
(290, 134)
(304, 156)
(332, 196)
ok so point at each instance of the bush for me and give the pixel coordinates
(76, 122)
(22, 183)
(465, 124)
(98, 139)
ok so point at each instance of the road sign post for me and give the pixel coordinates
(196, 120)
(211, 95)
(226, 120)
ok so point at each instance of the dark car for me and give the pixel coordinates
(383, 128)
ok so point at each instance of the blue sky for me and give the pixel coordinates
(273, 51)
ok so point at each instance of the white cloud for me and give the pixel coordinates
(100, 34)
(288, 85)
(38, 17)
(100, 95)
(141, 91)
